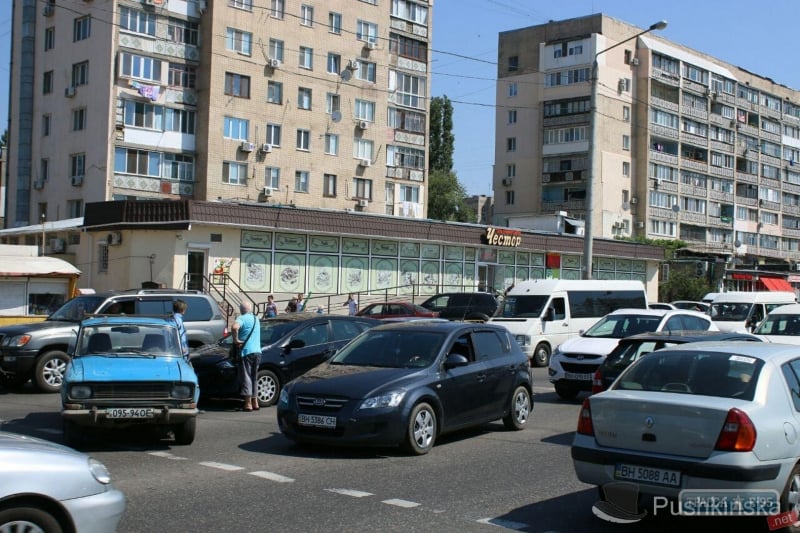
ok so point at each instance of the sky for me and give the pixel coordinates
(758, 36)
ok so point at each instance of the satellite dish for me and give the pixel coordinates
(346, 74)
(336, 116)
(676, 208)
(737, 243)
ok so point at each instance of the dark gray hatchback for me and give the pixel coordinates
(472, 306)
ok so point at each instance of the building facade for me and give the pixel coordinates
(282, 102)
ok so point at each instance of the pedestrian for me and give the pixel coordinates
(352, 305)
(301, 303)
(178, 309)
(291, 307)
(247, 335)
(272, 309)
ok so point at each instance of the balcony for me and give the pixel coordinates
(699, 192)
(791, 187)
(665, 186)
(787, 232)
(662, 213)
(663, 157)
(570, 206)
(695, 164)
(663, 131)
(695, 112)
(696, 218)
(718, 146)
(721, 196)
(721, 171)
(747, 178)
(749, 202)
(698, 88)
(663, 104)
(666, 77)
(153, 185)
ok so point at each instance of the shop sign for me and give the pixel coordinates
(503, 237)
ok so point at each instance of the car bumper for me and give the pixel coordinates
(578, 375)
(18, 361)
(99, 416)
(382, 428)
(98, 513)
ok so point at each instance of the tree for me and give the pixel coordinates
(446, 198)
(442, 140)
(684, 285)
(4, 139)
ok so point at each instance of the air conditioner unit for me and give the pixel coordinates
(247, 146)
(545, 178)
(268, 191)
(507, 181)
(274, 63)
(149, 2)
(364, 163)
(635, 61)
(38, 184)
(362, 125)
(69, 92)
(634, 200)
(265, 148)
(57, 245)
(363, 203)
(353, 64)
(621, 85)
(202, 6)
(77, 181)
(370, 45)
(640, 225)
(568, 176)
(48, 10)
(114, 238)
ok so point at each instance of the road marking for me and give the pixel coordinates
(507, 524)
(167, 455)
(222, 466)
(401, 503)
(353, 493)
(272, 476)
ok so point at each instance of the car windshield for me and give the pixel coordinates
(126, 339)
(731, 312)
(779, 325)
(74, 310)
(524, 306)
(620, 326)
(392, 349)
(727, 375)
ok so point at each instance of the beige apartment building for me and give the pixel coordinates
(687, 146)
(292, 102)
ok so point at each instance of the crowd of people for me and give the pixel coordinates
(298, 303)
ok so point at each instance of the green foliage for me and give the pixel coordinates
(446, 198)
(4, 139)
(684, 284)
(670, 246)
(442, 140)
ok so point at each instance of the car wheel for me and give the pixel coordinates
(541, 355)
(519, 410)
(50, 369)
(421, 429)
(184, 433)
(790, 499)
(28, 519)
(267, 388)
(566, 392)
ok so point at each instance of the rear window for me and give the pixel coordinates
(722, 374)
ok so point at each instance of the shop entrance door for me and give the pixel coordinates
(196, 270)
(485, 277)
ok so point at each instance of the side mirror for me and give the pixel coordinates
(292, 344)
(455, 360)
(549, 315)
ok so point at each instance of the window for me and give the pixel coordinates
(662, 118)
(334, 63)
(237, 85)
(512, 116)
(412, 11)
(410, 89)
(303, 139)
(138, 162)
(331, 144)
(80, 73)
(404, 156)
(182, 31)
(367, 31)
(275, 92)
(362, 188)
(364, 110)
(272, 178)
(181, 75)
(301, 181)
(179, 120)
(239, 41)
(408, 47)
(77, 165)
(409, 193)
(566, 135)
(566, 107)
(47, 82)
(276, 49)
(46, 121)
(236, 128)
(137, 21)
(512, 89)
(306, 57)
(102, 258)
(141, 67)
(568, 77)
(303, 98)
(178, 167)
(329, 185)
(511, 144)
(626, 142)
(234, 173)
(247, 5)
(277, 8)
(81, 28)
(44, 169)
(509, 197)
(407, 120)
(513, 63)
(511, 170)
(306, 15)
(626, 169)
(335, 23)
(366, 71)
(626, 113)
(274, 134)
(79, 119)
(74, 208)
(363, 149)
(49, 38)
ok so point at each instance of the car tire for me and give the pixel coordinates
(184, 433)
(566, 392)
(790, 498)
(267, 388)
(49, 371)
(541, 355)
(421, 429)
(28, 519)
(519, 409)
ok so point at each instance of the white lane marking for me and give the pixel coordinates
(507, 524)
(222, 466)
(167, 455)
(52, 431)
(349, 492)
(401, 503)
(272, 476)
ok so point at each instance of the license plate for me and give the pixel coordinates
(316, 420)
(9, 358)
(129, 413)
(646, 474)
(578, 377)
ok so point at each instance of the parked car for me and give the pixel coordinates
(129, 371)
(575, 361)
(699, 416)
(406, 384)
(742, 311)
(782, 325)
(472, 306)
(38, 350)
(660, 305)
(692, 305)
(48, 487)
(395, 309)
(632, 348)
(291, 344)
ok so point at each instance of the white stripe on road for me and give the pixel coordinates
(222, 466)
(167, 455)
(507, 524)
(353, 493)
(272, 476)
(401, 503)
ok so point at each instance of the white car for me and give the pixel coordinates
(574, 362)
(695, 422)
(781, 325)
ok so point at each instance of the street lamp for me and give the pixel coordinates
(43, 217)
(588, 235)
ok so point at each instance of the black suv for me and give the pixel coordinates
(473, 306)
(38, 350)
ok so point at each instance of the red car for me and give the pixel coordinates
(396, 309)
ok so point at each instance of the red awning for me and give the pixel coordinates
(776, 284)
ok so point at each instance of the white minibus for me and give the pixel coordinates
(742, 311)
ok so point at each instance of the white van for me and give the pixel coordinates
(742, 311)
(543, 313)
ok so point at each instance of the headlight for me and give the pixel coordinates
(390, 399)
(523, 340)
(283, 398)
(80, 392)
(557, 350)
(18, 340)
(99, 471)
(181, 391)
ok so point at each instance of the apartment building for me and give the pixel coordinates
(292, 102)
(687, 146)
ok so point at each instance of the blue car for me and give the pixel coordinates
(129, 371)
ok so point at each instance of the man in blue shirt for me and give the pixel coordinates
(178, 309)
(247, 335)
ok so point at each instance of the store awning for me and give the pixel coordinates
(776, 284)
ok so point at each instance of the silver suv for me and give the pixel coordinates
(38, 350)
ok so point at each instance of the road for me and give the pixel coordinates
(242, 475)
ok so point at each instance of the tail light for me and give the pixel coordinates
(738, 433)
(225, 332)
(585, 426)
(597, 382)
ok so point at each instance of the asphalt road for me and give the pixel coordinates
(242, 475)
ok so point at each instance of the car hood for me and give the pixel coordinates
(122, 368)
(14, 441)
(19, 329)
(588, 345)
(351, 381)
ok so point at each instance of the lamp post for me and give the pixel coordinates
(43, 217)
(588, 235)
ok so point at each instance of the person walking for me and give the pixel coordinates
(247, 335)
(352, 305)
(178, 309)
(301, 303)
(291, 307)
(272, 309)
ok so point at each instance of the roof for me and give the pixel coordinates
(690, 336)
(56, 225)
(12, 265)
